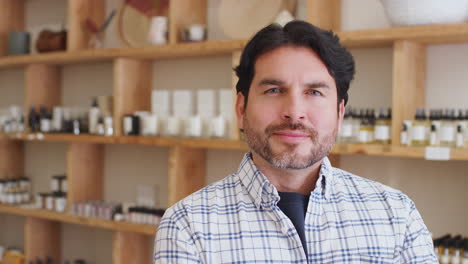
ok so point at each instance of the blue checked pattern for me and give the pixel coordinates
(349, 220)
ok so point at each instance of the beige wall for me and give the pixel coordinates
(436, 187)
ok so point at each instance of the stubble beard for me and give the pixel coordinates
(290, 158)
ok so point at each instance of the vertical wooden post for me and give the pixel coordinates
(409, 77)
(43, 85)
(325, 14)
(131, 248)
(235, 62)
(11, 158)
(186, 172)
(132, 88)
(78, 12)
(183, 13)
(85, 172)
(42, 239)
(11, 19)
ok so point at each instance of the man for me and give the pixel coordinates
(286, 203)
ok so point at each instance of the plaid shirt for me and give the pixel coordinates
(349, 219)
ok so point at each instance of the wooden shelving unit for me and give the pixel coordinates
(229, 144)
(375, 38)
(132, 69)
(78, 220)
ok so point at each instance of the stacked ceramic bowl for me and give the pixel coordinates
(425, 12)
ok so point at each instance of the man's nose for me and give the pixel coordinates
(293, 108)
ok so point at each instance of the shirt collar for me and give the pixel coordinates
(264, 193)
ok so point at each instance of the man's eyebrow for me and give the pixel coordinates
(266, 82)
(317, 85)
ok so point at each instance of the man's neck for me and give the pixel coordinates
(287, 180)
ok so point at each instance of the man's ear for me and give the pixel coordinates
(341, 109)
(240, 110)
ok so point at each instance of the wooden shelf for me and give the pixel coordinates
(393, 151)
(374, 38)
(183, 50)
(78, 220)
(225, 144)
(138, 140)
(430, 34)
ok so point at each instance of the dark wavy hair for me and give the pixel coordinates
(338, 60)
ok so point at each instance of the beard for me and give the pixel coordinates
(289, 158)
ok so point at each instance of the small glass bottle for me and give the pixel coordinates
(448, 130)
(404, 134)
(420, 129)
(46, 122)
(435, 128)
(465, 251)
(457, 252)
(366, 128)
(346, 132)
(445, 257)
(459, 139)
(33, 118)
(382, 127)
(356, 120)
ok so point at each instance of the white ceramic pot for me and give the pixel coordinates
(425, 12)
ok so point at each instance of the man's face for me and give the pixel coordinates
(291, 119)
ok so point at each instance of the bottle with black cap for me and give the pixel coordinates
(356, 122)
(420, 129)
(93, 116)
(382, 127)
(46, 120)
(457, 252)
(33, 120)
(433, 135)
(448, 129)
(437, 247)
(366, 128)
(445, 257)
(465, 251)
(346, 131)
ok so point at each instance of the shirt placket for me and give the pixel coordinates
(313, 217)
(288, 229)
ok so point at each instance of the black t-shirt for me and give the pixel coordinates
(294, 205)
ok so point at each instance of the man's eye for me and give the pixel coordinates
(315, 92)
(273, 90)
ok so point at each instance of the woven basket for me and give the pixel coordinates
(425, 12)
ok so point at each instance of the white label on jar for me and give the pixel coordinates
(25, 197)
(11, 198)
(419, 133)
(460, 140)
(347, 130)
(55, 185)
(218, 126)
(50, 203)
(382, 132)
(60, 204)
(45, 125)
(433, 139)
(364, 136)
(447, 133)
(127, 124)
(403, 138)
(18, 198)
(39, 201)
